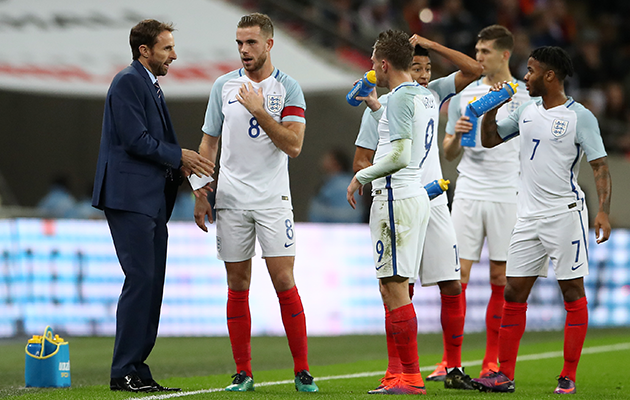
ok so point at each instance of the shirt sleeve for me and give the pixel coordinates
(213, 121)
(399, 111)
(588, 135)
(294, 103)
(508, 127)
(368, 132)
(454, 112)
(444, 87)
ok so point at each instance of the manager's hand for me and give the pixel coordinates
(194, 163)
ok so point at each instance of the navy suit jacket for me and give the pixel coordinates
(138, 148)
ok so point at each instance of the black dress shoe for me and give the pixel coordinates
(130, 383)
(159, 388)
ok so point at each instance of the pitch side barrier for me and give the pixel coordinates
(64, 273)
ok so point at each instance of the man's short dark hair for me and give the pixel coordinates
(146, 33)
(554, 58)
(503, 38)
(394, 47)
(420, 51)
(257, 19)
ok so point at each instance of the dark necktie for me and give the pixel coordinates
(158, 89)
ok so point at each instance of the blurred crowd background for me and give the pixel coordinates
(342, 32)
(595, 32)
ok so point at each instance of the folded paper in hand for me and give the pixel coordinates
(197, 182)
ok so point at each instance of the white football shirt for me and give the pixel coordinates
(552, 144)
(411, 113)
(254, 173)
(486, 174)
(368, 137)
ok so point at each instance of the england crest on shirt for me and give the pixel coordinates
(274, 103)
(559, 127)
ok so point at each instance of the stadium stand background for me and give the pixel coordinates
(47, 135)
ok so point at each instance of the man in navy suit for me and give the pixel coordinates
(140, 167)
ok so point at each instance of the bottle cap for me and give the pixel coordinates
(444, 184)
(371, 76)
(511, 87)
(35, 339)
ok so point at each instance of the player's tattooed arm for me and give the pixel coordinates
(603, 183)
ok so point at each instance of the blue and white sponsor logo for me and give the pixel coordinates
(274, 103)
(559, 127)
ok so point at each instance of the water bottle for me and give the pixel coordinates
(469, 138)
(34, 345)
(493, 99)
(362, 88)
(436, 188)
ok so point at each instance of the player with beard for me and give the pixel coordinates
(258, 111)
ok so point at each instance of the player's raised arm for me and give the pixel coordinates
(469, 68)
(603, 183)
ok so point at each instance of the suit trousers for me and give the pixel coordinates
(140, 243)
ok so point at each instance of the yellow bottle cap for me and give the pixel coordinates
(371, 76)
(35, 339)
(444, 183)
(512, 87)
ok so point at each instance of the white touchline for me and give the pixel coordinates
(529, 357)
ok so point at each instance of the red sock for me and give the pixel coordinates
(295, 327)
(462, 297)
(239, 322)
(493, 322)
(393, 360)
(452, 318)
(512, 328)
(575, 328)
(464, 287)
(405, 332)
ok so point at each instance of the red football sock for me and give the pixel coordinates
(493, 322)
(464, 287)
(405, 332)
(575, 328)
(452, 318)
(239, 322)
(295, 327)
(512, 328)
(393, 360)
(462, 297)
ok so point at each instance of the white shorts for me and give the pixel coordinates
(237, 231)
(440, 259)
(398, 229)
(561, 238)
(475, 220)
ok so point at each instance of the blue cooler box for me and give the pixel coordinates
(47, 362)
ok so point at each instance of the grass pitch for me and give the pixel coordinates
(344, 367)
